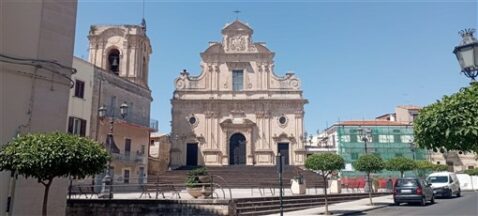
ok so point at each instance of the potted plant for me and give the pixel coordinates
(196, 183)
(297, 184)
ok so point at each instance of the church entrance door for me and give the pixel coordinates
(237, 149)
(284, 150)
(192, 154)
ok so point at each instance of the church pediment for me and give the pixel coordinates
(237, 26)
(283, 137)
(237, 122)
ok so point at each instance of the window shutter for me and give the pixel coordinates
(70, 124)
(83, 128)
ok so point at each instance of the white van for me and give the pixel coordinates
(444, 184)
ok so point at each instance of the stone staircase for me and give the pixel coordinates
(271, 205)
(242, 176)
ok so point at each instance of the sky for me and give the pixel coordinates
(356, 59)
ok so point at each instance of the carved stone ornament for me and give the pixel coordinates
(294, 83)
(237, 43)
(180, 84)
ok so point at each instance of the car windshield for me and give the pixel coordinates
(438, 179)
(406, 182)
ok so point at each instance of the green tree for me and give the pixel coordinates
(369, 164)
(440, 167)
(50, 155)
(423, 167)
(472, 172)
(401, 164)
(450, 123)
(325, 164)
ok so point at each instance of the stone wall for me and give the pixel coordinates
(88, 207)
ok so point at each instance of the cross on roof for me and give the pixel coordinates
(237, 13)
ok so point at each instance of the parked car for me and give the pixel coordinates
(412, 190)
(445, 184)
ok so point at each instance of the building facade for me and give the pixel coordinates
(116, 73)
(36, 52)
(159, 155)
(386, 139)
(237, 111)
(94, 87)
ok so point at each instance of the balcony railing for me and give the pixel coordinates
(129, 157)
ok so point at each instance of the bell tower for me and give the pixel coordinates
(123, 50)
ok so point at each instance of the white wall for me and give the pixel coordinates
(36, 30)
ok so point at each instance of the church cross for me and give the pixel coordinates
(237, 13)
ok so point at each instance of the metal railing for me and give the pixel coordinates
(93, 190)
(132, 157)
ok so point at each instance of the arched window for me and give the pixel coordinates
(114, 61)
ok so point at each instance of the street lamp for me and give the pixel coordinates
(365, 135)
(467, 54)
(413, 148)
(102, 114)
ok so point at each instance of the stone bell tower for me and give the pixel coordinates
(121, 49)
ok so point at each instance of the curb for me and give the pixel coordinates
(366, 210)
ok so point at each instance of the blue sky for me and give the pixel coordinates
(356, 59)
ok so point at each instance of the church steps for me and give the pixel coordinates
(243, 176)
(270, 205)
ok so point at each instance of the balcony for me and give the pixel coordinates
(129, 157)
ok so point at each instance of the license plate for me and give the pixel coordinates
(406, 191)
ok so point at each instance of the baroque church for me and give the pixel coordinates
(237, 111)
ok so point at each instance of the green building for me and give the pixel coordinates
(387, 139)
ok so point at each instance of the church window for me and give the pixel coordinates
(237, 80)
(282, 120)
(192, 120)
(113, 61)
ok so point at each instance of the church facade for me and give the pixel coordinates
(237, 111)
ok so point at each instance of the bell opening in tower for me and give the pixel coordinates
(113, 61)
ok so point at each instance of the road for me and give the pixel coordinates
(467, 205)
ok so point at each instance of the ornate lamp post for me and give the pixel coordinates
(413, 148)
(467, 54)
(365, 135)
(102, 114)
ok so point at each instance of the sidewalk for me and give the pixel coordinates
(347, 208)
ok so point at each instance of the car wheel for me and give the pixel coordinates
(433, 199)
(396, 203)
(423, 202)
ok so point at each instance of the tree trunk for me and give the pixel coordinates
(401, 174)
(45, 197)
(325, 194)
(370, 188)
